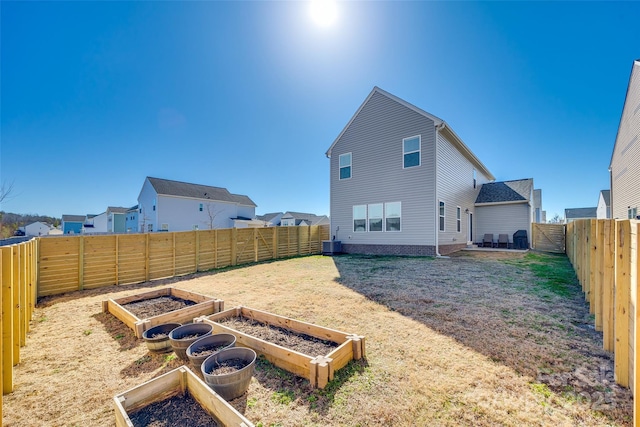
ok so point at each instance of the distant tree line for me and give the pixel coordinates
(10, 222)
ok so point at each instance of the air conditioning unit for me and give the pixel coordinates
(331, 247)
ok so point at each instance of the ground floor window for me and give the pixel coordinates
(359, 218)
(458, 219)
(377, 217)
(393, 216)
(442, 216)
(632, 213)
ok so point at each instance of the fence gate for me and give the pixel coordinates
(548, 237)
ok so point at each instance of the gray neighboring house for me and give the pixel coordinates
(290, 219)
(572, 214)
(603, 210)
(270, 219)
(624, 168)
(402, 181)
(505, 207)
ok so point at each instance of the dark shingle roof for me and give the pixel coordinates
(268, 216)
(311, 219)
(505, 191)
(575, 213)
(197, 191)
(73, 218)
(114, 209)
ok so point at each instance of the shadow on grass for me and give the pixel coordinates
(124, 336)
(150, 362)
(287, 387)
(526, 312)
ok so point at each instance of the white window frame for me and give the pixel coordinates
(475, 182)
(442, 218)
(340, 166)
(359, 218)
(386, 216)
(632, 213)
(370, 217)
(459, 219)
(405, 152)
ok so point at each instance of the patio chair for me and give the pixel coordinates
(487, 241)
(503, 241)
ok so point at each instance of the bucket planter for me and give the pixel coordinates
(182, 337)
(157, 338)
(238, 363)
(205, 347)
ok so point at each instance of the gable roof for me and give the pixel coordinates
(575, 213)
(167, 187)
(606, 195)
(441, 125)
(117, 210)
(505, 191)
(309, 218)
(73, 218)
(268, 216)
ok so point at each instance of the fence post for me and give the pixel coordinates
(234, 246)
(215, 249)
(608, 295)
(146, 257)
(593, 244)
(117, 278)
(599, 256)
(173, 256)
(255, 245)
(22, 248)
(622, 302)
(80, 263)
(636, 354)
(15, 286)
(7, 319)
(275, 242)
(197, 238)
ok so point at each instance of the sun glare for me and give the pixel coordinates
(323, 12)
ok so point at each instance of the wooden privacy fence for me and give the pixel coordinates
(18, 275)
(604, 254)
(72, 263)
(548, 237)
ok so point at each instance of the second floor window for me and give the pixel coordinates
(411, 151)
(345, 166)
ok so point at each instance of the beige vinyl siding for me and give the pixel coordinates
(625, 162)
(455, 188)
(374, 138)
(502, 219)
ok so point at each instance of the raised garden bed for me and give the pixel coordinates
(287, 343)
(176, 390)
(149, 304)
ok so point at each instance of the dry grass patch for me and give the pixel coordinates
(470, 340)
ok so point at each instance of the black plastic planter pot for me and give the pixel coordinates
(157, 338)
(219, 341)
(181, 338)
(234, 384)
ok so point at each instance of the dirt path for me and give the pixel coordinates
(470, 340)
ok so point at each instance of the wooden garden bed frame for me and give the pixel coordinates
(319, 370)
(204, 305)
(173, 383)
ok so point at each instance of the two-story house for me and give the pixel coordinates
(624, 169)
(166, 205)
(402, 181)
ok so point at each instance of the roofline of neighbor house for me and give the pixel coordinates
(439, 123)
(615, 144)
(510, 202)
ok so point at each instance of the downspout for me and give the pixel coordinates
(436, 206)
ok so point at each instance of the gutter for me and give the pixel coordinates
(436, 206)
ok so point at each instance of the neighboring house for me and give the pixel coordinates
(270, 219)
(55, 231)
(131, 224)
(603, 211)
(73, 224)
(96, 224)
(506, 207)
(624, 169)
(402, 181)
(580, 213)
(116, 219)
(289, 219)
(166, 205)
(37, 229)
(539, 215)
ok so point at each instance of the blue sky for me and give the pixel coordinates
(95, 96)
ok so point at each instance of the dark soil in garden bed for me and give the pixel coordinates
(156, 306)
(228, 366)
(301, 343)
(180, 410)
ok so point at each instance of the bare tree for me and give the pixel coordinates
(556, 219)
(212, 213)
(5, 191)
(143, 219)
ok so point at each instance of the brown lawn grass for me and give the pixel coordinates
(476, 339)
